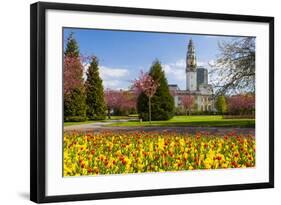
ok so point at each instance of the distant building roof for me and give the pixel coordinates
(173, 87)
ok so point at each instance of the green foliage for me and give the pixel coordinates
(221, 105)
(71, 119)
(74, 98)
(96, 107)
(181, 111)
(72, 48)
(162, 103)
(75, 105)
(124, 112)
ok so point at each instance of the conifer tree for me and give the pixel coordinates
(162, 102)
(74, 92)
(72, 48)
(96, 107)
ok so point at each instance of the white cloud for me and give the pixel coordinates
(175, 72)
(180, 63)
(212, 62)
(114, 85)
(115, 78)
(199, 63)
(109, 73)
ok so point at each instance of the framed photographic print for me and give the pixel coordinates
(129, 102)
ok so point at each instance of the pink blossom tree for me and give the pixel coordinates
(187, 102)
(241, 104)
(73, 72)
(121, 100)
(129, 100)
(112, 100)
(146, 84)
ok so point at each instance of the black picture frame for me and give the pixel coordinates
(38, 101)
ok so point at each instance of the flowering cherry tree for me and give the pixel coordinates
(129, 100)
(187, 102)
(241, 104)
(146, 84)
(74, 69)
(111, 99)
(72, 74)
(122, 100)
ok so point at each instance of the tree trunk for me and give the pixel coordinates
(108, 114)
(149, 109)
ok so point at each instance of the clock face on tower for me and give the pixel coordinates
(191, 63)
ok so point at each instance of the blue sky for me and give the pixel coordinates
(123, 54)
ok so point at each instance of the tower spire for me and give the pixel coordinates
(191, 63)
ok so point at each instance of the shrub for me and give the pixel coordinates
(75, 119)
(221, 105)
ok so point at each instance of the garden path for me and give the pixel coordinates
(104, 126)
(94, 125)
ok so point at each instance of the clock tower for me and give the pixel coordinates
(191, 68)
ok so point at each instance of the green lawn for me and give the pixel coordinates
(193, 121)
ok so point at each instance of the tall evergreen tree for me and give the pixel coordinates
(72, 48)
(96, 107)
(162, 102)
(74, 92)
(75, 106)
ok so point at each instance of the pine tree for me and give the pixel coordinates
(96, 107)
(74, 92)
(75, 106)
(72, 48)
(162, 102)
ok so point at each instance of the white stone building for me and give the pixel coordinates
(196, 84)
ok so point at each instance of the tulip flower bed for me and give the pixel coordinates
(135, 152)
